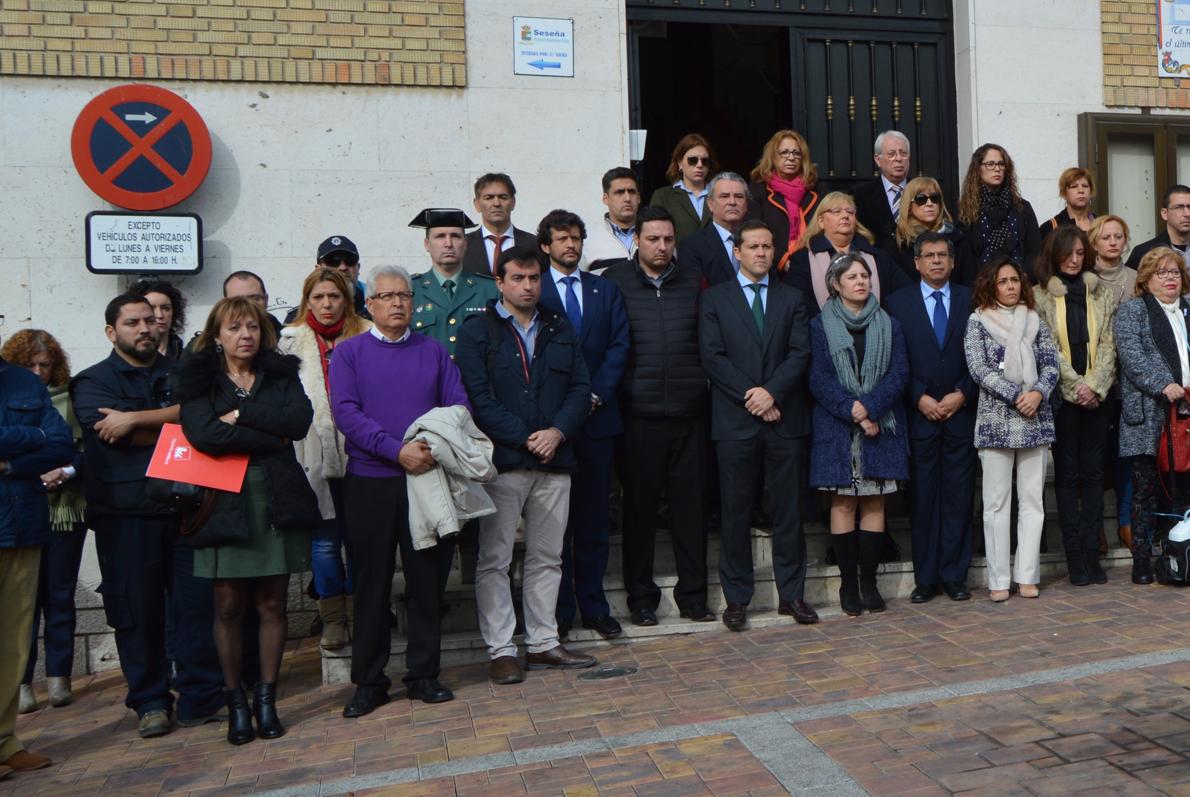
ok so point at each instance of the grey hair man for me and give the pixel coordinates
(878, 201)
(711, 250)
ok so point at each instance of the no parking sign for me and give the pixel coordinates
(141, 147)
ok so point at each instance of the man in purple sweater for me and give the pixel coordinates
(382, 381)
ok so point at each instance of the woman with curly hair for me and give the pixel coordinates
(690, 167)
(783, 192)
(38, 351)
(998, 221)
(169, 312)
(923, 209)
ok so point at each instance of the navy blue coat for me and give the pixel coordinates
(884, 456)
(33, 439)
(603, 339)
(507, 406)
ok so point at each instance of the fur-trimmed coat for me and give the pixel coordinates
(1101, 374)
(321, 454)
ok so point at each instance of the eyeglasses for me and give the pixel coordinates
(921, 199)
(1167, 272)
(388, 297)
(1179, 208)
(996, 166)
(336, 259)
(849, 212)
(789, 154)
(694, 160)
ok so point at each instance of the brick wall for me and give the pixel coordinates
(371, 42)
(1130, 76)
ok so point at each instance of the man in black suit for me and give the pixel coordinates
(940, 406)
(495, 199)
(878, 201)
(712, 249)
(754, 341)
(1175, 211)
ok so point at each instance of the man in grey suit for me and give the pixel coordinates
(495, 199)
(754, 341)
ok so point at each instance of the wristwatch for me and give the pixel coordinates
(236, 413)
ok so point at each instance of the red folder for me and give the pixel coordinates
(178, 461)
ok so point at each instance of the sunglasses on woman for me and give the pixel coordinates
(921, 199)
(694, 160)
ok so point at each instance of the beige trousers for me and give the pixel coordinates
(18, 592)
(998, 467)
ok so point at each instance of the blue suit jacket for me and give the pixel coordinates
(704, 250)
(932, 370)
(603, 340)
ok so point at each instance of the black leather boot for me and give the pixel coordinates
(847, 555)
(871, 548)
(264, 707)
(239, 718)
(1142, 562)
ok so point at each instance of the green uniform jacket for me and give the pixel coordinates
(439, 317)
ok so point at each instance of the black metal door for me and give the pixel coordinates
(855, 68)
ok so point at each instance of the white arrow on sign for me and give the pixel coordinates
(145, 117)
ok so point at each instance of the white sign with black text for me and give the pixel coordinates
(543, 46)
(131, 243)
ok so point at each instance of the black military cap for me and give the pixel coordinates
(441, 217)
(337, 243)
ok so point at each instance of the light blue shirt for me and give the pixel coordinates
(888, 192)
(927, 291)
(698, 200)
(623, 236)
(558, 276)
(528, 336)
(376, 333)
(749, 293)
(728, 244)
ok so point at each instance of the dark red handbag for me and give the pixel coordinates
(1173, 448)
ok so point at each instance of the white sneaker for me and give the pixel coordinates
(28, 700)
(59, 688)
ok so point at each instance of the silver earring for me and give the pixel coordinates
(219, 348)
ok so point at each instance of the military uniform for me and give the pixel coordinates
(439, 316)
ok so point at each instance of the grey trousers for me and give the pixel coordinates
(543, 499)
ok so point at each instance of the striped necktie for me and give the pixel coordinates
(896, 205)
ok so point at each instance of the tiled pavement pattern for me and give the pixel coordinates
(1080, 692)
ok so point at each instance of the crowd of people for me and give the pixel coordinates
(725, 350)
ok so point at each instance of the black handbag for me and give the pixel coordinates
(194, 506)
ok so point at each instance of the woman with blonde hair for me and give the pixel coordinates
(325, 318)
(783, 192)
(691, 164)
(835, 230)
(1109, 236)
(924, 210)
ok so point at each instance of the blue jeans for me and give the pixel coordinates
(1124, 491)
(331, 577)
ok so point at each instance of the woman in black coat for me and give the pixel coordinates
(784, 191)
(239, 396)
(998, 222)
(922, 209)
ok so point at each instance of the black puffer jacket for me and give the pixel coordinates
(271, 418)
(664, 375)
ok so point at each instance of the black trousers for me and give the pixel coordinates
(1155, 492)
(1080, 437)
(943, 490)
(664, 455)
(744, 466)
(585, 546)
(377, 525)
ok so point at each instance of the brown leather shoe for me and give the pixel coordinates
(799, 611)
(5, 771)
(24, 761)
(558, 658)
(735, 616)
(506, 670)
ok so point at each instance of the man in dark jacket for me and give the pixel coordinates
(663, 399)
(530, 391)
(121, 403)
(879, 202)
(755, 345)
(1175, 211)
(33, 440)
(711, 249)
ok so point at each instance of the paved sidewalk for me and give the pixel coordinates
(1082, 691)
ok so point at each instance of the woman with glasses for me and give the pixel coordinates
(999, 223)
(783, 192)
(691, 164)
(1078, 309)
(1077, 189)
(1154, 356)
(924, 209)
(835, 230)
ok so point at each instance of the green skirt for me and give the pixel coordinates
(267, 552)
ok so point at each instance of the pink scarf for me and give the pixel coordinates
(792, 192)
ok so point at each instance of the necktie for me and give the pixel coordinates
(498, 240)
(896, 205)
(757, 307)
(573, 311)
(449, 287)
(939, 317)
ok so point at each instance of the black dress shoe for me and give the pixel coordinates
(428, 690)
(606, 626)
(799, 610)
(365, 700)
(1142, 570)
(699, 614)
(956, 590)
(645, 617)
(736, 616)
(923, 593)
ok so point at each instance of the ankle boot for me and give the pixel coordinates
(1076, 567)
(1142, 564)
(871, 548)
(847, 555)
(1093, 567)
(264, 707)
(239, 718)
(333, 611)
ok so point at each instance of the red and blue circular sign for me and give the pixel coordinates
(141, 147)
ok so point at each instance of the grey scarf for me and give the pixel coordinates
(1015, 328)
(838, 323)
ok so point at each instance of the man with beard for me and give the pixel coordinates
(595, 308)
(121, 403)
